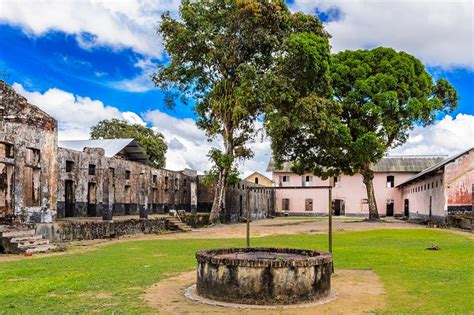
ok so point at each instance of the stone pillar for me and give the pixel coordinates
(107, 213)
(143, 212)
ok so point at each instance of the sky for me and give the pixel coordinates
(87, 60)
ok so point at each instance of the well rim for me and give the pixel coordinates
(311, 257)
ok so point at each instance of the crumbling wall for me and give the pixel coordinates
(71, 231)
(459, 179)
(122, 187)
(30, 165)
(261, 200)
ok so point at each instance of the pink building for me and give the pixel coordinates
(445, 188)
(307, 196)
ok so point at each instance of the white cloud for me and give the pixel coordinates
(439, 32)
(448, 136)
(140, 83)
(113, 23)
(188, 145)
(75, 114)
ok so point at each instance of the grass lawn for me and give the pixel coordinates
(319, 218)
(112, 278)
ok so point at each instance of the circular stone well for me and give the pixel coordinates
(264, 275)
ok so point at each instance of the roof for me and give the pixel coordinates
(402, 164)
(111, 147)
(257, 173)
(436, 167)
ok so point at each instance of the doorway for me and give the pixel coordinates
(69, 198)
(92, 200)
(241, 209)
(339, 207)
(406, 208)
(6, 190)
(390, 208)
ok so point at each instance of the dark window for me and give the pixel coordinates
(308, 204)
(69, 166)
(155, 179)
(112, 172)
(176, 184)
(436, 183)
(91, 169)
(432, 185)
(390, 181)
(127, 174)
(6, 150)
(285, 204)
(256, 180)
(166, 181)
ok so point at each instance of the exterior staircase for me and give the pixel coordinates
(21, 240)
(175, 223)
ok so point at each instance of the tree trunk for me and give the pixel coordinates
(368, 176)
(218, 203)
(215, 211)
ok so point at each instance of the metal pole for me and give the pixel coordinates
(248, 216)
(331, 183)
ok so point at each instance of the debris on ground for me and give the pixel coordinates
(433, 247)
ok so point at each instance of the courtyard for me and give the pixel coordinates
(147, 273)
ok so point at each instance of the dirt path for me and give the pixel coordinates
(357, 292)
(259, 228)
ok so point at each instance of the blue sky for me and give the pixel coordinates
(92, 61)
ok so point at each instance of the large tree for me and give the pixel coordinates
(222, 56)
(152, 142)
(377, 97)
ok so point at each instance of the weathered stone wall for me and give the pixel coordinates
(71, 231)
(261, 200)
(459, 180)
(121, 187)
(28, 169)
(39, 181)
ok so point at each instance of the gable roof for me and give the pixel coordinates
(257, 173)
(112, 147)
(436, 167)
(402, 164)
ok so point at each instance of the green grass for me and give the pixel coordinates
(416, 280)
(318, 218)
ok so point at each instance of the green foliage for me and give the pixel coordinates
(377, 97)
(428, 282)
(152, 142)
(229, 57)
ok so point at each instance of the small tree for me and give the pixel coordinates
(378, 96)
(222, 53)
(152, 142)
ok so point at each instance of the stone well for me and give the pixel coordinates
(264, 275)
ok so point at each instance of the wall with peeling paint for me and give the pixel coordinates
(459, 179)
(32, 134)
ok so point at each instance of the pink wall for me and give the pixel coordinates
(350, 189)
(418, 195)
(449, 189)
(459, 178)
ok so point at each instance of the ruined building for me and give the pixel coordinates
(28, 164)
(42, 180)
